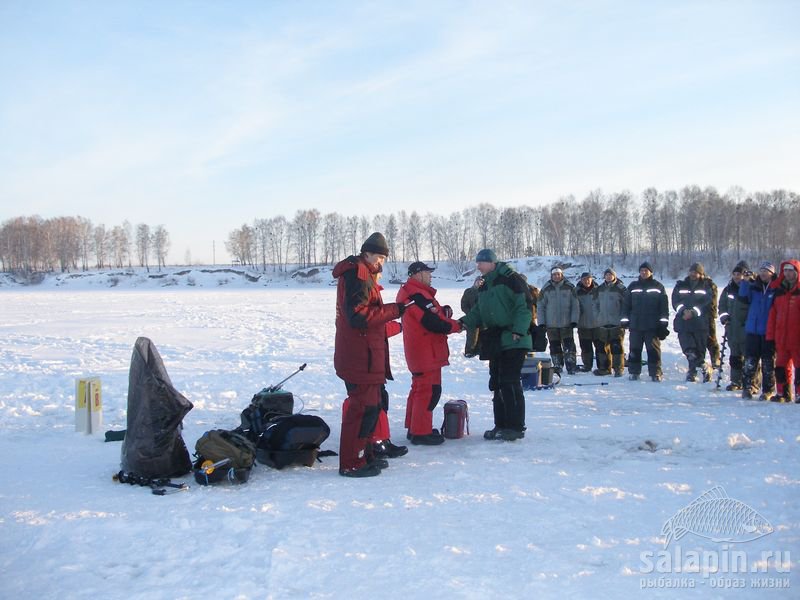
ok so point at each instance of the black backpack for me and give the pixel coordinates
(292, 440)
(265, 406)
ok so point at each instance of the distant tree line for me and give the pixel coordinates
(34, 244)
(671, 227)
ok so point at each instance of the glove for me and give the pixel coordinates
(663, 332)
(573, 325)
(625, 324)
(448, 311)
(401, 308)
(724, 319)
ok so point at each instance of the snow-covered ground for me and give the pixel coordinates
(575, 510)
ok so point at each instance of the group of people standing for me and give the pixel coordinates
(761, 316)
(502, 312)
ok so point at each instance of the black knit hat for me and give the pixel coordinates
(586, 274)
(609, 270)
(646, 265)
(376, 243)
(741, 267)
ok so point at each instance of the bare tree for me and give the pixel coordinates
(161, 244)
(143, 243)
(414, 234)
(100, 245)
(241, 245)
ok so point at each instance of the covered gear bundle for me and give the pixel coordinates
(223, 456)
(292, 440)
(153, 446)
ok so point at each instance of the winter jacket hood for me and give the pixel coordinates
(778, 282)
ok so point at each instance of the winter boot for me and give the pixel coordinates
(558, 363)
(691, 375)
(587, 358)
(706, 373)
(602, 365)
(509, 435)
(491, 434)
(767, 378)
(618, 363)
(736, 381)
(571, 362)
(386, 449)
(634, 376)
(432, 439)
(367, 470)
(749, 389)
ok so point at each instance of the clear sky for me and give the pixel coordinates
(202, 116)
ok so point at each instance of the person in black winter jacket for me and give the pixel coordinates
(692, 299)
(732, 316)
(646, 313)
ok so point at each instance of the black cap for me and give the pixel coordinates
(586, 274)
(419, 267)
(646, 265)
(376, 243)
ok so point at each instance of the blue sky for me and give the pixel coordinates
(205, 115)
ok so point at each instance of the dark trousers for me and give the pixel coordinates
(693, 345)
(757, 350)
(649, 339)
(592, 346)
(359, 417)
(504, 380)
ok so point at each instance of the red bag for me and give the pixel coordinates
(456, 419)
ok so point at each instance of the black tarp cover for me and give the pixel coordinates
(153, 446)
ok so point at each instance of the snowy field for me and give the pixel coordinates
(575, 510)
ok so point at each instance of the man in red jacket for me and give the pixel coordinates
(361, 355)
(783, 327)
(426, 325)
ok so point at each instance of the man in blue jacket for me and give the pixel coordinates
(759, 296)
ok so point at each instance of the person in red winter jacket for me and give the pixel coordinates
(426, 325)
(382, 446)
(361, 355)
(783, 328)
